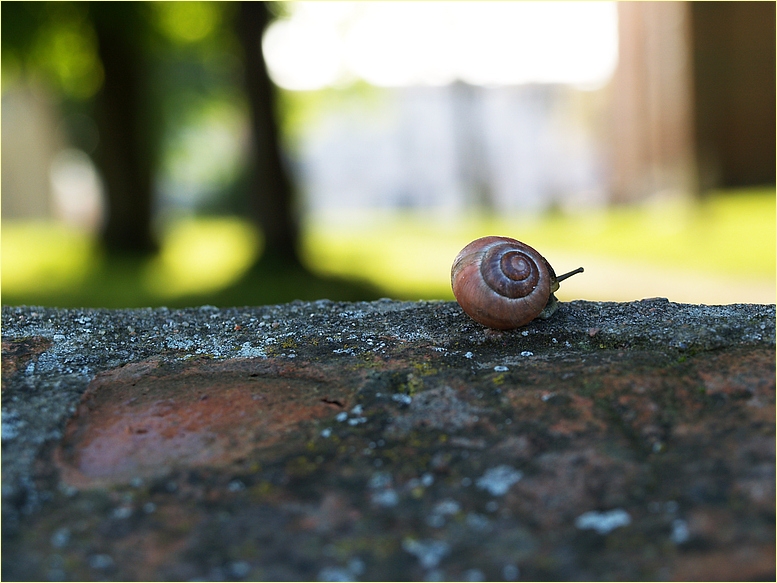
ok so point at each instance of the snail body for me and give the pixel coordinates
(503, 283)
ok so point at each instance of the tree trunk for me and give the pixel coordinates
(125, 151)
(652, 140)
(271, 188)
(734, 97)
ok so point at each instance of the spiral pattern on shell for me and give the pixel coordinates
(501, 282)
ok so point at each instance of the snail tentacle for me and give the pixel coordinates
(561, 278)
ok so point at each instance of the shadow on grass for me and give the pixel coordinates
(119, 283)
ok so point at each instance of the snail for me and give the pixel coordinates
(503, 283)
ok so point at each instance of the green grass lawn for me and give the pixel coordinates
(201, 261)
(726, 237)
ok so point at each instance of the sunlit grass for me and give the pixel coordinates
(39, 257)
(202, 256)
(722, 234)
(201, 261)
(719, 251)
(197, 256)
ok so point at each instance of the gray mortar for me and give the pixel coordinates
(36, 406)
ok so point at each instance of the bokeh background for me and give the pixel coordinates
(227, 153)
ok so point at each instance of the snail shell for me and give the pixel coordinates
(503, 283)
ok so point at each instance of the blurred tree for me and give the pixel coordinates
(92, 54)
(271, 187)
(122, 61)
(128, 152)
(733, 49)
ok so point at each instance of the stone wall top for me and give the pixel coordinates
(388, 440)
(90, 339)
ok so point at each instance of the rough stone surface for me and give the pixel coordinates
(389, 441)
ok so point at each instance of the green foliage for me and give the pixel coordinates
(52, 40)
(187, 22)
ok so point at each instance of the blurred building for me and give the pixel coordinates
(42, 175)
(30, 142)
(691, 107)
(456, 146)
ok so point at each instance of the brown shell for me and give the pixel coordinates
(500, 282)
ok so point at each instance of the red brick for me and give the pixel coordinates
(144, 419)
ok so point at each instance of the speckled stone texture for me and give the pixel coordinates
(389, 441)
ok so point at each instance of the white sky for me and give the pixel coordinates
(392, 44)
